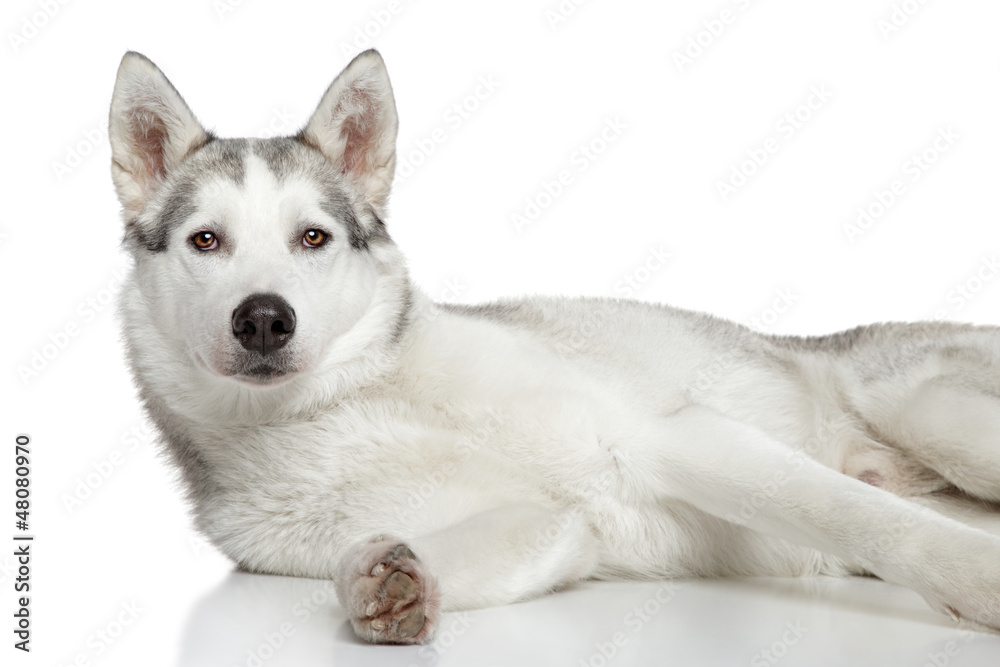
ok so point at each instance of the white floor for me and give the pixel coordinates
(256, 620)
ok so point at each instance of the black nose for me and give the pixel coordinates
(263, 322)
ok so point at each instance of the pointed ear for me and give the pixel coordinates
(151, 131)
(355, 126)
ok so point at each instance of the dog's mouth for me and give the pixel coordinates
(258, 370)
(264, 375)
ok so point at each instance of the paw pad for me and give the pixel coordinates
(397, 601)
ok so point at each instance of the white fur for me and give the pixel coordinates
(519, 449)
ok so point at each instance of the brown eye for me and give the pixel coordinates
(313, 238)
(205, 241)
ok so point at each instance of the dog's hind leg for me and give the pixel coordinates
(394, 589)
(953, 428)
(713, 463)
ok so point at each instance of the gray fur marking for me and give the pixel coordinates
(224, 157)
(402, 319)
(499, 311)
(337, 205)
(177, 208)
(278, 154)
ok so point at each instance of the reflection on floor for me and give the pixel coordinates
(253, 620)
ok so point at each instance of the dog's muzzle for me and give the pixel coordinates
(263, 323)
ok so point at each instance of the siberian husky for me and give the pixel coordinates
(331, 421)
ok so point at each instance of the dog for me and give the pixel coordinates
(329, 420)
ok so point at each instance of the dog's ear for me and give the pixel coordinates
(151, 131)
(355, 126)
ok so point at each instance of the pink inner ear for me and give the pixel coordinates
(359, 131)
(357, 144)
(149, 136)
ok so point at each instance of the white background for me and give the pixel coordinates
(778, 243)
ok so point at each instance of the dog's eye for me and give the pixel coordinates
(205, 241)
(313, 238)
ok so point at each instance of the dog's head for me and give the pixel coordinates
(257, 259)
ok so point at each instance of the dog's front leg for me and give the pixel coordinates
(394, 589)
(738, 473)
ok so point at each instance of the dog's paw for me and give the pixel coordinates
(389, 595)
(963, 578)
